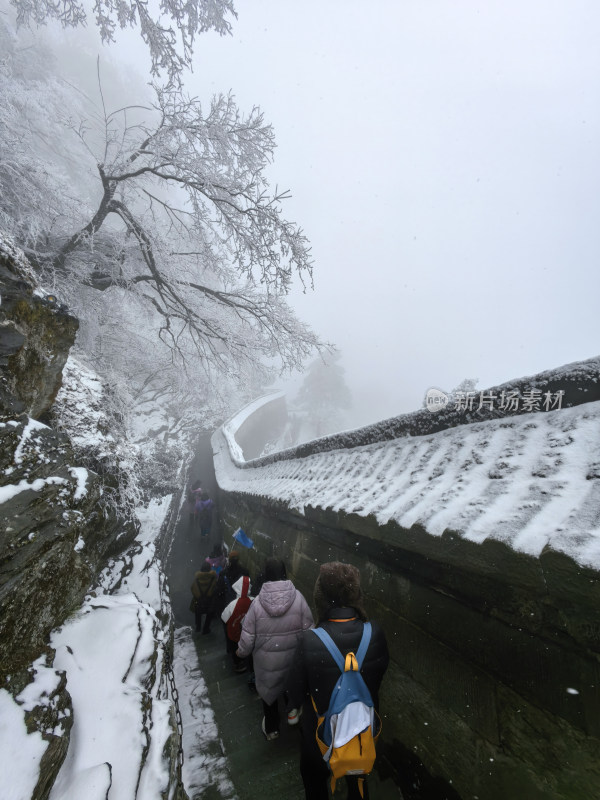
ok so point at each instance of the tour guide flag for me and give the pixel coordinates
(241, 538)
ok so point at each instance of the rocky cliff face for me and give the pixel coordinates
(55, 531)
(36, 335)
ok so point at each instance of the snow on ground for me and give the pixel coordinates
(31, 426)
(111, 650)
(107, 649)
(20, 752)
(121, 712)
(205, 763)
(529, 481)
(8, 492)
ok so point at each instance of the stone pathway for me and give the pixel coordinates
(255, 766)
(227, 756)
(257, 769)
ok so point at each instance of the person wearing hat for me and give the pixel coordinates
(340, 611)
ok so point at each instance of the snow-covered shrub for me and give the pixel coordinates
(95, 414)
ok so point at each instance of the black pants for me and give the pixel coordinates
(231, 647)
(208, 615)
(314, 771)
(271, 713)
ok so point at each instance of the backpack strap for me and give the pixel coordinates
(335, 651)
(331, 646)
(364, 644)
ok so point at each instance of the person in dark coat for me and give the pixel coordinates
(193, 495)
(203, 589)
(339, 604)
(224, 592)
(204, 512)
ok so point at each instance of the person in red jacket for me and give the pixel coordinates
(233, 616)
(339, 604)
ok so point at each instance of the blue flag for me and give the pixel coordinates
(241, 538)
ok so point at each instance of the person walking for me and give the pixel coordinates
(233, 617)
(338, 601)
(270, 632)
(204, 512)
(224, 591)
(217, 559)
(192, 496)
(203, 588)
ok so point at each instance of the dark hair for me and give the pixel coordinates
(274, 570)
(338, 586)
(206, 567)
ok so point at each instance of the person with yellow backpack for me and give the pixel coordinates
(335, 678)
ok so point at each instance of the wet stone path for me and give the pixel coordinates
(228, 756)
(256, 769)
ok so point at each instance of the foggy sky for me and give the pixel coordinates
(443, 162)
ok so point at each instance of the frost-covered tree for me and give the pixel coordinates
(186, 221)
(464, 387)
(323, 397)
(159, 227)
(36, 183)
(168, 29)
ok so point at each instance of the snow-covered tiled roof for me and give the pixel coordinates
(529, 481)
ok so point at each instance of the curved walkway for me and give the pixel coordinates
(226, 754)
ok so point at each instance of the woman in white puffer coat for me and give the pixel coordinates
(270, 631)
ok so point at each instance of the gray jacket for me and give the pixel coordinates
(270, 631)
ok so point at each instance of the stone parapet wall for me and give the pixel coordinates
(264, 425)
(494, 681)
(476, 538)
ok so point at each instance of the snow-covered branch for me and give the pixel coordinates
(168, 32)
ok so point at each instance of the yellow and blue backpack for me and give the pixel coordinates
(347, 732)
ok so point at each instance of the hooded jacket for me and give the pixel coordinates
(270, 632)
(203, 589)
(242, 589)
